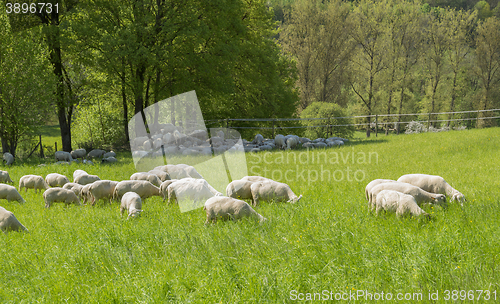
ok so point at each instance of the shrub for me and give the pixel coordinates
(331, 112)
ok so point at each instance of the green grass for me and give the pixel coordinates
(327, 241)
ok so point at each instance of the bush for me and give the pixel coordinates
(326, 110)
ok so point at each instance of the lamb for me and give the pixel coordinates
(272, 190)
(222, 207)
(8, 158)
(433, 184)
(152, 178)
(33, 182)
(79, 172)
(56, 180)
(8, 222)
(96, 153)
(131, 202)
(63, 156)
(54, 195)
(10, 193)
(375, 182)
(78, 153)
(191, 189)
(144, 188)
(85, 179)
(101, 189)
(239, 189)
(77, 188)
(420, 195)
(402, 204)
(279, 141)
(4, 177)
(162, 175)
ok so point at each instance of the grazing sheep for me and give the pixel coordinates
(131, 202)
(375, 182)
(33, 182)
(292, 142)
(152, 178)
(96, 153)
(109, 154)
(78, 153)
(180, 171)
(63, 156)
(79, 172)
(110, 159)
(144, 188)
(190, 189)
(10, 193)
(420, 195)
(256, 179)
(402, 204)
(222, 207)
(8, 222)
(433, 184)
(239, 189)
(77, 188)
(86, 179)
(279, 141)
(4, 177)
(164, 187)
(272, 190)
(56, 180)
(162, 175)
(60, 195)
(101, 189)
(8, 158)
(259, 139)
(85, 193)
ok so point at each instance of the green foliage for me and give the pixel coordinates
(326, 110)
(483, 9)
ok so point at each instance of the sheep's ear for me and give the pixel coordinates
(433, 197)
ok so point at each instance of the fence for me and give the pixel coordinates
(378, 120)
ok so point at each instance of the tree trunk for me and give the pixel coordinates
(124, 103)
(139, 99)
(453, 96)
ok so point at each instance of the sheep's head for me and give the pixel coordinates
(295, 199)
(440, 200)
(458, 197)
(135, 213)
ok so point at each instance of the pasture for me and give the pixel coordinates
(326, 242)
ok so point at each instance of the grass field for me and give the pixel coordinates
(326, 242)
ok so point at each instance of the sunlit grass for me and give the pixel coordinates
(327, 241)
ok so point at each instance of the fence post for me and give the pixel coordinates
(428, 122)
(56, 145)
(477, 119)
(227, 123)
(273, 127)
(41, 147)
(376, 125)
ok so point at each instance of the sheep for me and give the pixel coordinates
(10, 193)
(279, 141)
(164, 188)
(292, 142)
(54, 195)
(131, 202)
(190, 189)
(8, 222)
(63, 156)
(33, 182)
(79, 172)
(101, 189)
(258, 139)
(402, 204)
(85, 179)
(420, 195)
(84, 194)
(152, 178)
(272, 190)
(4, 177)
(256, 179)
(78, 153)
(223, 207)
(239, 189)
(433, 184)
(375, 182)
(77, 188)
(110, 159)
(144, 188)
(162, 175)
(109, 154)
(56, 180)
(96, 153)
(180, 171)
(8, 158)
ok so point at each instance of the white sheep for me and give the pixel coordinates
(420, 195)
(96, 153)
(101, 189)
(76, 188)
(109, 154)
(258, 139)
(8, 158)
(131, 202)
(279, 141)
(8, 222)
(78, 153)
(180, 171)
(4, 177)
(292, 142)
(197, 190)
(164, 187)
(222, 207)
(56, 180)
(268, 190)
(254, 178)
(375, 182)
(433, 184)
(84, 194)
(144, 188)
(33, 182)
(60, 195)
(240, 189)
(152, 178)
(78, 172)
(84, 179)
(110, 159)
(10, 193)
(162, 175)
(63, 156)
(400, 203)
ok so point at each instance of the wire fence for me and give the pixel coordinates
(469, 119)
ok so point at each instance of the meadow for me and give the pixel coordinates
(326, 242)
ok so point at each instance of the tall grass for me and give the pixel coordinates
(327, 241)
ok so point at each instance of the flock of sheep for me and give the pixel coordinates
(172, 182)
(63, 157)
(409, 193)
